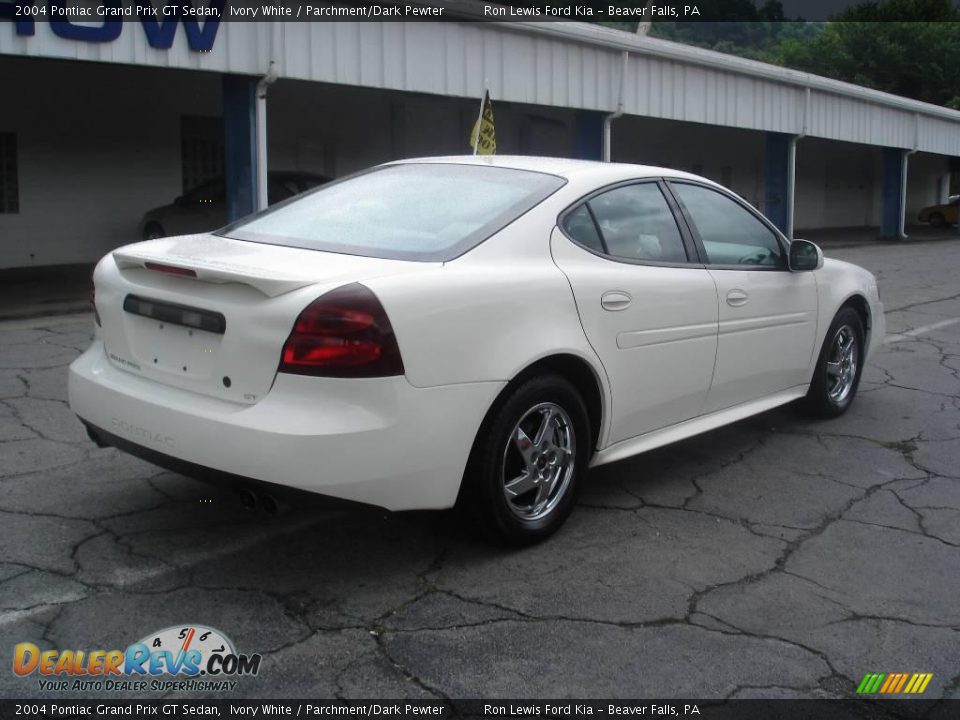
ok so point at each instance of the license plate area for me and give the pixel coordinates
(174, 314)
(171, 339)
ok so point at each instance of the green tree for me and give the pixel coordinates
(872, 45)
(906, 47)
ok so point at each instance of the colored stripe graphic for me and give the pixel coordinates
(870, 683)
(894, 683)
(903, 680)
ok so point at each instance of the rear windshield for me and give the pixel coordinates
(422, 211)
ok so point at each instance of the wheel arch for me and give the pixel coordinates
(578, 372)
(859, 304)
(574, 368)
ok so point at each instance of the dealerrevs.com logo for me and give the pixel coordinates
(178, 658)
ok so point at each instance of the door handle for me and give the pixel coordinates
(737, 297)
(615, 300)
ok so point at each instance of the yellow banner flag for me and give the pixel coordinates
(483, 137)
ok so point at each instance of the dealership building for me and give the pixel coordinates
(103, 120)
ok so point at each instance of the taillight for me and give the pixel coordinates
(344, 333)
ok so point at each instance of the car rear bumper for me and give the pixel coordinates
(376, 441)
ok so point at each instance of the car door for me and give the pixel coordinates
(648, 310)
(768, 315)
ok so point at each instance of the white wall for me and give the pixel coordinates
(338, 130)
(559, 64)
(837, 185)
(841, 184)
(97, 146)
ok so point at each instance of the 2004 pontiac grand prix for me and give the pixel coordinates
(467, 331)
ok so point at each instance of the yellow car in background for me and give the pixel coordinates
(941, 215)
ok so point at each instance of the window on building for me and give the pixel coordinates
(9, 190)
(201, 150)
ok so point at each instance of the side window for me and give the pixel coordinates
(580, 226)
(636, 224)
(731, 235)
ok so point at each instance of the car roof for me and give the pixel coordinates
(564, 167)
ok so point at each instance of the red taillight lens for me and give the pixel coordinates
(345, 333)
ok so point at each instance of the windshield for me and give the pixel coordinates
(408, 212)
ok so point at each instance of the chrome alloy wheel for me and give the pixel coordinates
(538, 461)
(842, 364)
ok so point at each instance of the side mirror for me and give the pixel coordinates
(805, 256)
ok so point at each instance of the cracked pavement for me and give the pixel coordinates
(777, 557)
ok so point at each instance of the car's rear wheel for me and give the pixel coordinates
(837, 374)
(937, 220)
(522, 476)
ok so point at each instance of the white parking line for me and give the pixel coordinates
(922, 330)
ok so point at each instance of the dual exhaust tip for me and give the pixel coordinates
(252, 499)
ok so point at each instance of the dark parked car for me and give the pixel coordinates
(205, 207)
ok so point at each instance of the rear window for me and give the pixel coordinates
(423, 211)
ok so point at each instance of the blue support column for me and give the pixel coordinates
(891, 200)
(588, 135)
(777, 180)
(240, 144)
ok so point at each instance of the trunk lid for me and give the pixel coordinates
(209, 314)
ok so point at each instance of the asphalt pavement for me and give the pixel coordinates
(778, 557)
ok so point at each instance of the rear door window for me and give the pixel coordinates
(631, 222)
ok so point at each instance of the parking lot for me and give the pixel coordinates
(778, 557)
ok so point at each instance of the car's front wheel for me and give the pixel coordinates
(521, 480)
(837, 374)
(937, 220)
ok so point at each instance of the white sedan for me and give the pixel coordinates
(466, 331)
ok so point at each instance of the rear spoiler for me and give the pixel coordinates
(270, 283)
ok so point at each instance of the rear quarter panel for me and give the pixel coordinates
(489, 314)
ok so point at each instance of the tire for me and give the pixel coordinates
(153, 231)
(517, 496)
(837, 373)
(937, 220)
